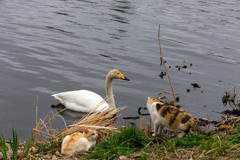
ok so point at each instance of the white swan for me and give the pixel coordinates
(86, 101)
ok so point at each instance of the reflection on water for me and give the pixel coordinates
(67, 114)
(54, 46)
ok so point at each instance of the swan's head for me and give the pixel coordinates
(116, 74)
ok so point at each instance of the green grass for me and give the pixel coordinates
(210, 146)
(135, 144)
(120, 144)
(190, 141)
(14, 144)
(196, 146)
(221, 145)
(29, 143)
(4, 148)
(194, 140)
(132, 141)
(47, 146)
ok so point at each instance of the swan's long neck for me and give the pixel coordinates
(109, 92)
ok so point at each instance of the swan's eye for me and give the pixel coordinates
(117, 73)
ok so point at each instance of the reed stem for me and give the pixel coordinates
(165, 65)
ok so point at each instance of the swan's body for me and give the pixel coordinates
(81, 100)
(86, 101)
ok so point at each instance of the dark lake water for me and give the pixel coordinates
(48, 47)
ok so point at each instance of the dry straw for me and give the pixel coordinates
(103, 121)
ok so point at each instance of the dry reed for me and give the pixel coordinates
(103, 121)
(165, 66)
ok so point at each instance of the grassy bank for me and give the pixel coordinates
(127, 142)
(132, 143)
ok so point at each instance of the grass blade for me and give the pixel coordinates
(28, 144)
(14, 144)
(4, 147)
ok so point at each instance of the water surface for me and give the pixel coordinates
(48, 47)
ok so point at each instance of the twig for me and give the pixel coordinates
(176, 154)
(36, 109)
(238, 102)
(210, 151)
(68, 156)
(165, 66)
(142, 123)
(42, 132)
(234, 146)
(226, 120)
(231, 90)
(201, 154)
(166, 92)
(63, 120)
(139, 111)
(165, 151)
(150, 143)
(31, 156)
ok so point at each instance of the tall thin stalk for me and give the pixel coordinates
(165, 65)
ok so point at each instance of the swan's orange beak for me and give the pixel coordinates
(123, 77)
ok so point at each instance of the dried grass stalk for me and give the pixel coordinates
(142, 123)
(175, 102)
(148, 129)
(103, 121)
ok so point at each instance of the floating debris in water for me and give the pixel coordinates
(136, 117)
(178, 67)
(162, 74)
(177, 99)
(162, 61)
(184, 67)
(195, 85)
(235, 112)
(230, 98)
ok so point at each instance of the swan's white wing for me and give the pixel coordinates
(81, 100)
